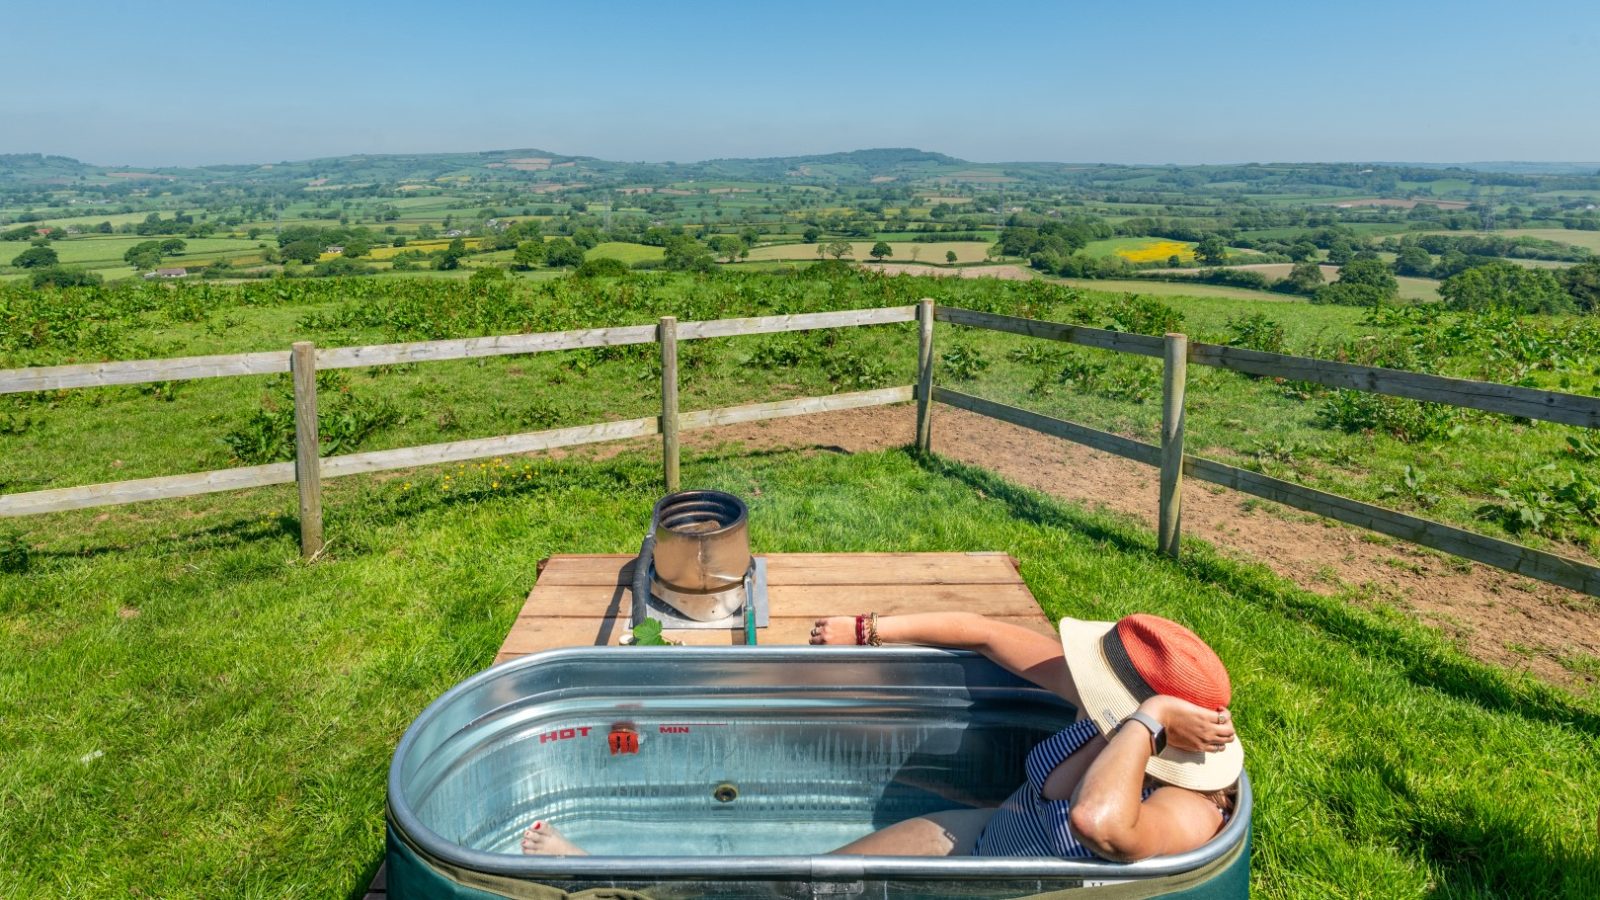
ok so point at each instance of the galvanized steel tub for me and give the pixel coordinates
(818, 746)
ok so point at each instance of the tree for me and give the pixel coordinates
(36, 258)
(529, 254)
(880, 250)
(57, 276)
(306, 250)
(1413, 260)
(1370, 272)
(173, 245)
(1582, 283)
(451, 257)
(683, 253)
(950, 257)
(1302, 251)
(1503, 285)
(811, 234)
(1304, 278)
(727, 246)
(839, 249)
(1211, 251)
(561, 253)
(426, 232)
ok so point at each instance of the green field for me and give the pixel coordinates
(904, 251)
(625, 252)
(1142, 249)
(102, 253)
(177, 684)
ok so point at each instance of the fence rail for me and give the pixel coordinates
(309, 469)
(1570, 409)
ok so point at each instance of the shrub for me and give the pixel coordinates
(964, 361)
(1406, 420)
(602, 267)
(1503, 285)
(1139, 314)
(1257, 332)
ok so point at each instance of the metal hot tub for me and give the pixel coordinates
(750, 764)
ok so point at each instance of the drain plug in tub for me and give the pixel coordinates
(726, 793)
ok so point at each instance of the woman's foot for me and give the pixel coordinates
(542, 839)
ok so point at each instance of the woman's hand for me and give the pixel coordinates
(834, 630)
(1191, 727)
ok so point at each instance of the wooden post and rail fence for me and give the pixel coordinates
(309, 468)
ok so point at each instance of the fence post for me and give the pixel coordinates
(1174, 374)
(925, 376)
(307, 453)
(668, 336)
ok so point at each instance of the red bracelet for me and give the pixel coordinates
(861, 631)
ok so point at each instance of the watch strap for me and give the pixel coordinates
(1158, 733)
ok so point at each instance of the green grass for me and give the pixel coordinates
(106, 252)
(625, 252)
(178, 686)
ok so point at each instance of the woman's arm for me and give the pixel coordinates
(1108, 815)
(1025, 653)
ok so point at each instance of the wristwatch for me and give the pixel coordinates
(1158, 733)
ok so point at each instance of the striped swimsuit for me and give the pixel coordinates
(1029, 825)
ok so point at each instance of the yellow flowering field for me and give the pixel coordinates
(1152, 250)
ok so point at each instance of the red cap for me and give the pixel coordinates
(1174, 661)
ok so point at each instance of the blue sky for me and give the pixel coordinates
(191, 82)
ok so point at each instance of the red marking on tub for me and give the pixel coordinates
(565, 734)
(624, 740)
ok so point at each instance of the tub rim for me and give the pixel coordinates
(816, 867)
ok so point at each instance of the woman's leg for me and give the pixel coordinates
(953, 832)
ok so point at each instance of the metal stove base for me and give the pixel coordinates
(755, 589)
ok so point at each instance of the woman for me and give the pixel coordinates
(1150, 767)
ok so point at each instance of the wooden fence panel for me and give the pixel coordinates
(1121, 341)
(850, 318)
(1482, 548)
(166, 487)
(1138, 451)
(142, 371)
(1530, 403)
(472, 348)
(733, 415)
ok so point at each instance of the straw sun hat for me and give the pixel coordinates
(1118, 665)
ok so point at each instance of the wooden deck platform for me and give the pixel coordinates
(584, 600)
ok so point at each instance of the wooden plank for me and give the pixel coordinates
(471, 348)
(1121, 341)
(814, 569)
(1492, 551)
(925, 376)
(755, 412)
(506, 445)
(166, 487)
(307, 449)
(142, 371)
(606, 632)
(669, 401)
(1170, 511)
(583, 601)
(690, 331)
(1551, 406)
(1139, 451)
(530, 636)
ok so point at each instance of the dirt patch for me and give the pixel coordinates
(1005, 273)
(1504, 619)
(1399, 204)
